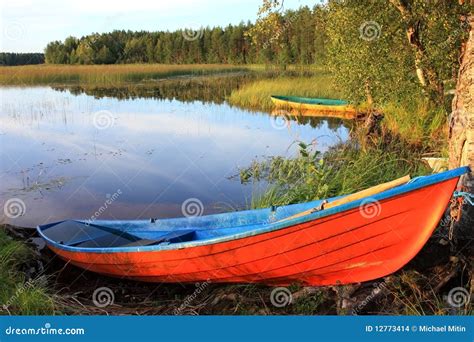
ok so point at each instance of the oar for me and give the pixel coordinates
(353, 197)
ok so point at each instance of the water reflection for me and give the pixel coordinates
(212, 89)
(158, 151)
(208, 89)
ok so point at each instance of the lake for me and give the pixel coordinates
(67, 153)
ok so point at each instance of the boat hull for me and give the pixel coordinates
(315, 110)
(360, 244)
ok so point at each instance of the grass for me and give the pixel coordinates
(256, 95)
(103, 74)
(417, 122)
(19, 296)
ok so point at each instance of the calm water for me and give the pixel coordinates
(65, 155)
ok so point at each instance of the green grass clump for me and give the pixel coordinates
(417, 122)
(19, 296)
(344, 169)
(256, 95)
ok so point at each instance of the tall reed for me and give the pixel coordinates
(107, 75)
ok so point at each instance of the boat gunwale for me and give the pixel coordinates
(415, 184)
(309, 101)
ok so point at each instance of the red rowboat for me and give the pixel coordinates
(356, 241)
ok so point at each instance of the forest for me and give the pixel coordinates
(12, 58)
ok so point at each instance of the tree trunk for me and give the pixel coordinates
(461, 127)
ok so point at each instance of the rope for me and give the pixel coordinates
(467, 196)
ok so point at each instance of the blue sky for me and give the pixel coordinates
(28, 25)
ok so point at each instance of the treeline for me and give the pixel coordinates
(13, 58)
(231, 44)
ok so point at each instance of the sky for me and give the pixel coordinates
(29, 25)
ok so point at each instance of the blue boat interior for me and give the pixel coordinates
(133, 233)
(106, 235)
